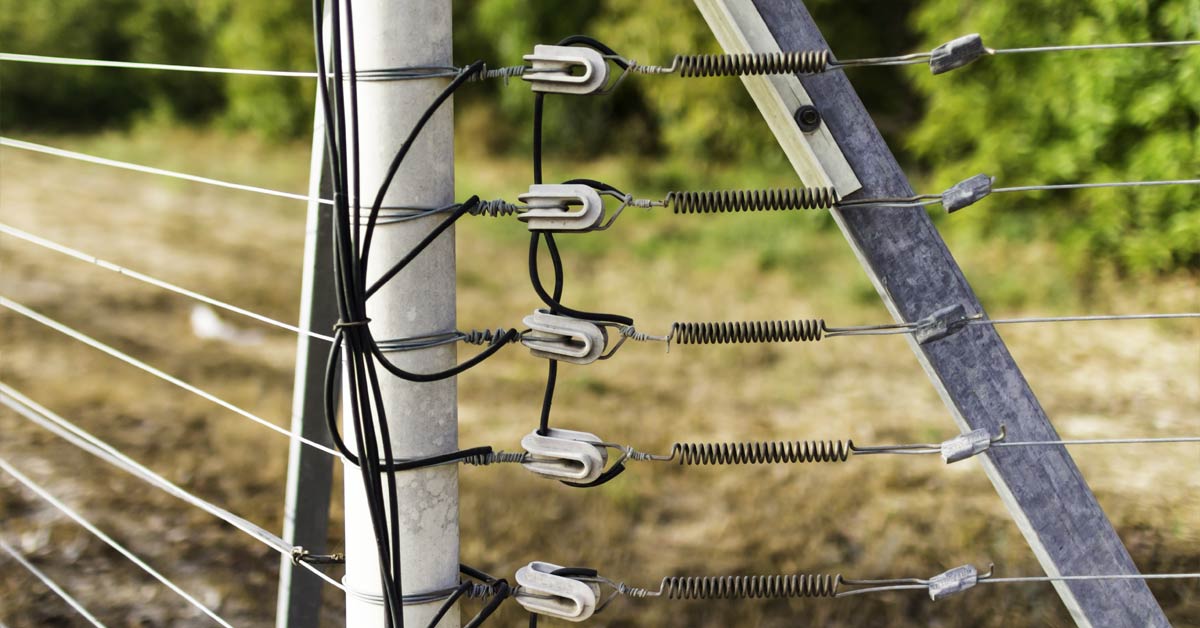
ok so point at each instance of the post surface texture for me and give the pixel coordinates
(310, 471)
(422, 417)
(973, 371)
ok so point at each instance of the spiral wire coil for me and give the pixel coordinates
(774, 452)
(746, 64)
(748, 332)
(722, 201)
(743, 587)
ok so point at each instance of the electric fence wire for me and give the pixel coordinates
(121, 549)
(684, 202)
(806, 61)
(134, 65)
(50, 584)
(84, 440)
(124, 165)
(814, 330)
(96, 344)
(815, 585)
(133, 274)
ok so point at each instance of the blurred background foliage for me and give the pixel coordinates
(1025, 118)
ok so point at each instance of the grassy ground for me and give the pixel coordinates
(871, 517)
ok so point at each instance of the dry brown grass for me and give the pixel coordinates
(871, 517)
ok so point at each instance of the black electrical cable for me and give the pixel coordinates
(555, 304)
(548, 399)
(353, 338)
(596, 44)
(503, 592)
(348, 281)
(471, 70)
(539, 103)
(422, 245)
(449, 603)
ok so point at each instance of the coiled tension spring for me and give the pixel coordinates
(747, 64)
(746, 587)
(772, 452)
(747, 332)
(723, 201)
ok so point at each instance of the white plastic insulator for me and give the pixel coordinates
(556, 596)
(565, 455)
(564, 338)
(566, 70)
(561, 207)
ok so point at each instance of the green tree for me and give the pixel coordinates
(1073, 116)
(273, 35)
(715, 119)
(73, 98)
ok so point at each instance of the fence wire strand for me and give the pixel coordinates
(96, 344)
(136, 65)
(125, 165)
(133, 274)
(50, 584)
(87, 525)
(35, 412)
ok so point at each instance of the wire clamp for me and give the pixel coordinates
(942, 323)
(968, 445)
(568, 455)
(566, 70)
(958, 52)
(564, 338)
(953, 581)
(561, 207)
(540, 591)
(967, 193)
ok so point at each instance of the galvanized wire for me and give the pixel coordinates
(50, 584)
(383, 74)
(103, 63)
(58, 152)
(87, 525)
(77, 436)
(133, 274)
(96, 344)
(1089, 186)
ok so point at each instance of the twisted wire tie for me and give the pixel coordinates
(497, 457)
(344, 324)
(478, 590)
(501, 73)
(487, 336)
(631, 332)
(494, 208)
